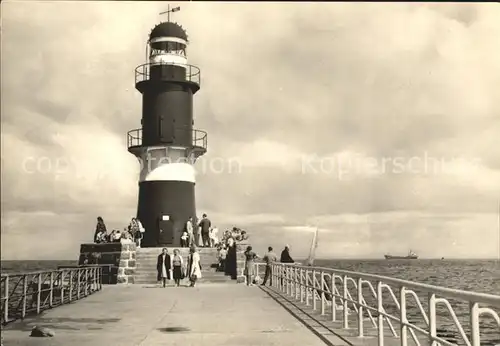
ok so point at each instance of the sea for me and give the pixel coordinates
(471, 275)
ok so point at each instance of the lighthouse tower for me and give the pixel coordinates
(167, 145)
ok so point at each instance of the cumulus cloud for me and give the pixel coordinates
(369, 91)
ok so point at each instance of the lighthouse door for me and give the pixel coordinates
(166, 231)
(166, 130)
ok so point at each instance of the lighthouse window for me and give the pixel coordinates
(160, 51)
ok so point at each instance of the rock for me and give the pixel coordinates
(41, 332)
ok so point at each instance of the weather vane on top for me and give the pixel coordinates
(169, 10)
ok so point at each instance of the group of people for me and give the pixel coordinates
(133, 233)
(205, 235)
(172, 267)
(269, 258)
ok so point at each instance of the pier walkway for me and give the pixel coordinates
(305, 306)
(210, 314)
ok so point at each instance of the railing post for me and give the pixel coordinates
(86, 281)
(100, 278)
(51, 291)
(25, 292)
(62, 286)
(345, 316)
(360, 308)
(70, 285)
(334, 299)
(296, 282)
(474, 324)
(287, 280)
(380, 317)
(432, 319)
(39, 293)
(322, 293)
(78, 283)
(314, 289)
(402, 317)
(301, 283)
(280, 277)
(307, 286)
(6, 301)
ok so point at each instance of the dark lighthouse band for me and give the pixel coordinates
(168, 145)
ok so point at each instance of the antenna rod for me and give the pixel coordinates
(169, 10)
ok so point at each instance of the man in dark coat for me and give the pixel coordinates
(285, 258)
(163, 266)
(205, 225)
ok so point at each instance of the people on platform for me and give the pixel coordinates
(184, 239)
(100, 227)
(136, 230)
(101, 236)
(214, 238)
(250, 258)
(204, 226)
(190, 232)
(117, 236)
(138, 238)
(222, 253)
(194, 266)
(163, 266)
(269, 258)
(126, 237)
(177, 267)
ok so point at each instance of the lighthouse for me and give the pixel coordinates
(167, 145)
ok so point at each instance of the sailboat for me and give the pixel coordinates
(312, 250)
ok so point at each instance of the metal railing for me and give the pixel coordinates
(143, 72)
(381, 300)
(134, 137)
(27, 293)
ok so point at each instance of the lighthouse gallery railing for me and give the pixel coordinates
(372, 296)
(134, 137)
(143, 72)
(22, 294)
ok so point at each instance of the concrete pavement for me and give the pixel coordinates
(211, 314)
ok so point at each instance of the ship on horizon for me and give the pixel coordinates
(411, 255)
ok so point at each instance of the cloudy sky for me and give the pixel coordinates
(377, 123)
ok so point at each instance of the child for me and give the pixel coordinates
(184, 239)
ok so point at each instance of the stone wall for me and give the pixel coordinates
(118, 261)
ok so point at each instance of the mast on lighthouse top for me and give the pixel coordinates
(168, 42)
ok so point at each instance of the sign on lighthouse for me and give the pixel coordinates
(167, 145)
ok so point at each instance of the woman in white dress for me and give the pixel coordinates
(214, 239)
(194, 267)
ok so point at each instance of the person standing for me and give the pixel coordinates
(231, 259)
(222, 258)
(184, 239)
(250, 257)
(269, 258)
(178, 267)
(285, 258)
(194, 267)
(163, 266)
(205, 225)
(189, 231)
(100, 227)
(285, 255)
(213, 236)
